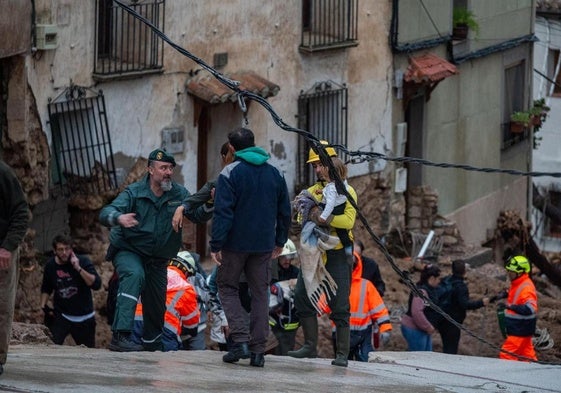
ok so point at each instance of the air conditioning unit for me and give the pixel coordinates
(46, 37)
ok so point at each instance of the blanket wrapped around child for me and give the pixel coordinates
(314, 241)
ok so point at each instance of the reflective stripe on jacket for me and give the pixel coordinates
(522, 292)
(366, 303)
(182, 309)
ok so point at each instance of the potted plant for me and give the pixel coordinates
(539, 113)
(519, 121)
(463, 20)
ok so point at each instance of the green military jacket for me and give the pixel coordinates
(154, 236)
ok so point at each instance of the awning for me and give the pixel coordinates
(428, 69)
(209, 89)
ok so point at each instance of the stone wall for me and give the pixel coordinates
(422, 216)
(383, 209)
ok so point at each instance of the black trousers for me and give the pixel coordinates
(81, 332)
(450, 335)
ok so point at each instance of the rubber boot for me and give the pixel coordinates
(343, 345)
(309, 349)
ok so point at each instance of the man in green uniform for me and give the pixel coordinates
(143, 238)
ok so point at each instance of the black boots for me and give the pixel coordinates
(121, 342)
(343, 345)
(309, 349)
(257, 359)
(237, 352)
(241, 351)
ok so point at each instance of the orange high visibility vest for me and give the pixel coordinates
(366, 303)
(182, 309)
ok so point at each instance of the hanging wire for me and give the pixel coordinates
(325, 160)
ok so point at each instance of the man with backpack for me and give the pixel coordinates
(454, 300)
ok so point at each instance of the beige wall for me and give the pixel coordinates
(424, 20)
(462, 119)
(500, 19)
(477, 220)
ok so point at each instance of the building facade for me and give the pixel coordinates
(453, 99)
(108, 81)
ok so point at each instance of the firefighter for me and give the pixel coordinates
(282, 313)
(368, 311)
(182, 310)
(520, 311)
(339, 269)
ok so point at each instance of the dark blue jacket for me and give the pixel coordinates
(460, 300)
(251, 205)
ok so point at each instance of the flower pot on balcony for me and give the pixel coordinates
(460, 32)
(517, 127)
(536, 120)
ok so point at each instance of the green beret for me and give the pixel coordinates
(161, 155)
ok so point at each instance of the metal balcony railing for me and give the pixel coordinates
(125, 46)
(329, 24)
(323, 111)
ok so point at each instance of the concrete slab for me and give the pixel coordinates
(480, 257)
(54, 369)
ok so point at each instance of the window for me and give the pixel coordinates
(514, 85)
(554, 228)
(83, 157)
(555, 72)
(328, 24)
(126, 46)
(322, 111)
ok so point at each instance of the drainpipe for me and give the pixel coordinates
(530, 184)
(33, 28)
(394, 24)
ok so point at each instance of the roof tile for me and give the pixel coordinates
(428, 68)
(211, 90)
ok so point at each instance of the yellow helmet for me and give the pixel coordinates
(518, 264)
(314, 157)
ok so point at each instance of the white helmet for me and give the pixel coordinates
(289, 250)
(185, 262)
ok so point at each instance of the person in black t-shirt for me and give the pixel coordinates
(71, 278)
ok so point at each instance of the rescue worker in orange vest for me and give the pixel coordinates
(520, 311)
(367, 310)
(182, 310)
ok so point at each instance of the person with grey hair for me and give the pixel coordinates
(144, 236)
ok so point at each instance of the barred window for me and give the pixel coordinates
(125, 46)
(322, 111)
(83, 156)
(329, 24)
